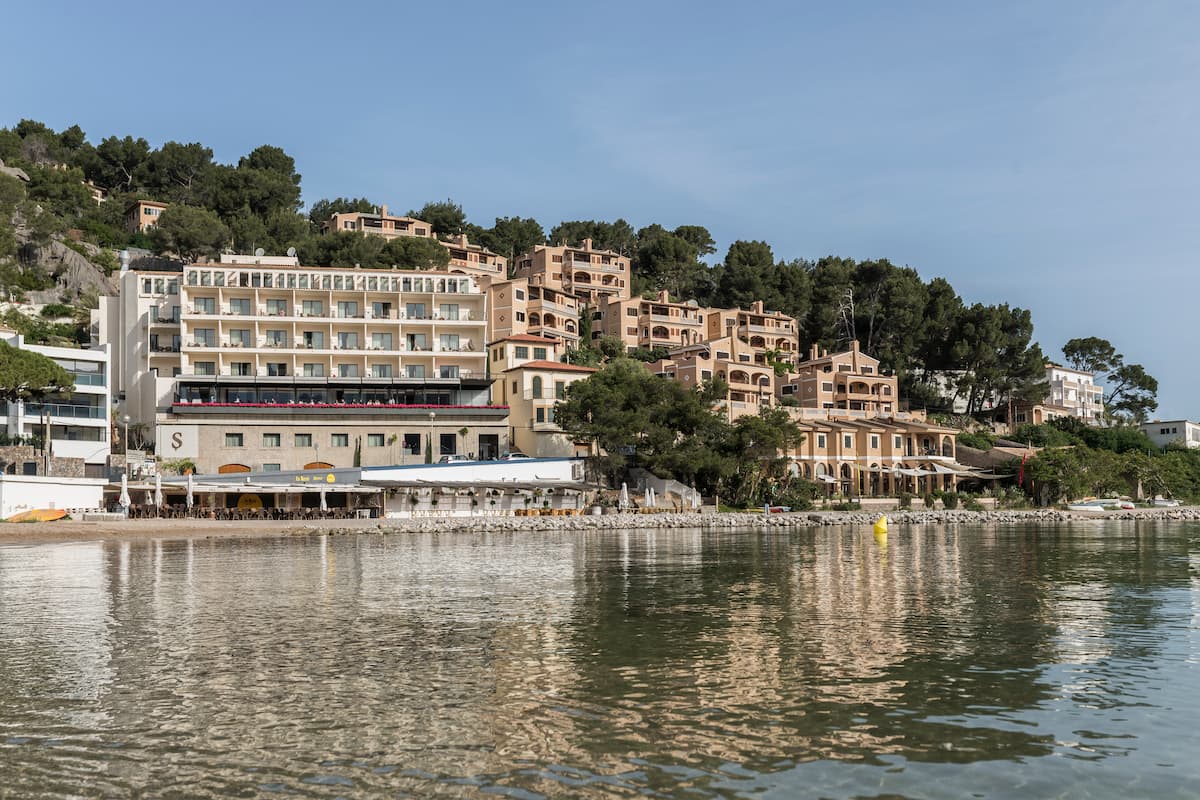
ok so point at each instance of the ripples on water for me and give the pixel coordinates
(950, 663)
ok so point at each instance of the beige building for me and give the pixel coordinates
(751, 386)
(142, 215)
(530, 381)
(474, 259)
(650, 323)
(264, 341)
(584, 272)
(1076, 391)
(522, 305)
(771, 335)
(849, 380)
(381, 224)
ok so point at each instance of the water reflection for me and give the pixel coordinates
(670, 663)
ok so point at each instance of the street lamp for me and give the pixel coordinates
(125, 441)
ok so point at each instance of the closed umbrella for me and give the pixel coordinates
(158, 495)
(190, 488)
(648, 500)
(124, 500)
(623, 502)
(324, 505)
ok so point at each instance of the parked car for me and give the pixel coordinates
(513, 456)
(453, 459)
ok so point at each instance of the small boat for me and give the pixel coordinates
(1100, 504)
(1164, 502)
(38, 515)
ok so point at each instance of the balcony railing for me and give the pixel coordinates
(68, 411)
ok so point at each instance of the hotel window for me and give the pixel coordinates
(314, 370)
(381, 370)
(314, 340)
(277, 308)
(522, 351)
(206, 278)
(311, 308)
(847, 441)
(449, 341)
(204, 305)
(272, 440)
(206, 337)
(219, 279)
(897, 443)
(520, 316)
(347, 370)
(239, 306)
(868, 370)
(414, 310)
(381, 341)
(233, 440)
(560, 389)
(450, 371)
(381, 310)
(241, 368)
(347, 309)
(412, 444)
(820, 440)
(537, 387)
(874, 442)
(414, 371)
(843, 367)
(448, 310)
(520, 295)
(826, 386)
(239, 337)
(540, 415)
(270, 468)
(348, 341)
(539, 353)
(276, 338)
(303, 440)
(375, 440)
(416, 341)
(205, 368)
(277, 369)
(339, 440)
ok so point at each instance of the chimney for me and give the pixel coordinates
(383, 211)
(812, 352)
(854, 345)
(664, 296)
(587, 244)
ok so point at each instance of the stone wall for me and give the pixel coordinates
(13, 459)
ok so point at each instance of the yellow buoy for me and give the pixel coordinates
(880, 526)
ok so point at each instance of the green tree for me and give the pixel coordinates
(189, 232)
(1132, 392)
(445, 218)
(1091, 354)
(178, 173)
(756, 445)
(617, 236)
(414, 252)
(60, 191)
(324, 208)
(115, 162)
(512, 237)
(698, 237)
(25, 375)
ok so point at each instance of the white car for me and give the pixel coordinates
(453, 460)
(513, 456)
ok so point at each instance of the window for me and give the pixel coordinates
(381, 341)
(414, 371)
(449, 342)
(820, 440)
(448, 371)
(276, 338)
(414, 310)
(448, 310)
(631, 312)
(240, 368)
(239, 337)
(537, 387)
(520, 316)
(874, 442)
(521, 351)
(847, 441)
(347, 370)
(446, 442)
(270, 468)
(514, 387)
(539, 353)
(375, 440)
(560, 389)
(540, 415)
(347, 309)
(826, 386)
(381, 370)
(205, 368)
(314, 370)
(277, 308)
(897, 442)
(314, 340)
(233, 440)
(272, 440)
(303, 440)
(868, 370)
(416, 341)
(204, 305)
(412, 444)
(520, 295)
(312, 308)
(381, 310)
(348, 341)
(239, 306)
(206, 337)
(339, 439)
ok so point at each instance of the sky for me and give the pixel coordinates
(1040, 154)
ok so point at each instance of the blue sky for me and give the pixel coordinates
(1041, 154)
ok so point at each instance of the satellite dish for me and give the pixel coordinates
(291, 252)
(260, 252)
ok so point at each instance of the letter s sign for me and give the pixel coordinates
(176, 440)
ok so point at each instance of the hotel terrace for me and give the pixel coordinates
(317, 358)
(650, 323)
(523, 305)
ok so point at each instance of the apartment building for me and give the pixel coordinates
(530, 380)
(772, 336)
(585, 272)
(79, 420)
(1076, 391)
(650, 323)
(1178, 432)
(474, 259)
(523, 305)
(333, 353)
(381, 224)
(862, 454)
(849, 380)
(142, 215)
(751, 386)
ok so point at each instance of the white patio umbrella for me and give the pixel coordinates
(653, 498)
(324, 505)
(623, 501)
(124, 500)
(158, 495)
(648, 500)
(190, 488)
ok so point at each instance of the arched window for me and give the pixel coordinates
(537, 387)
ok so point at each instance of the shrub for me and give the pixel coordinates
(980, 440)
(905, 500)
(950, 500)
(930, 499)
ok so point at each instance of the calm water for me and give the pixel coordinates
(1053, 662)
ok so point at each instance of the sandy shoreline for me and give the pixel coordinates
(148, 529)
